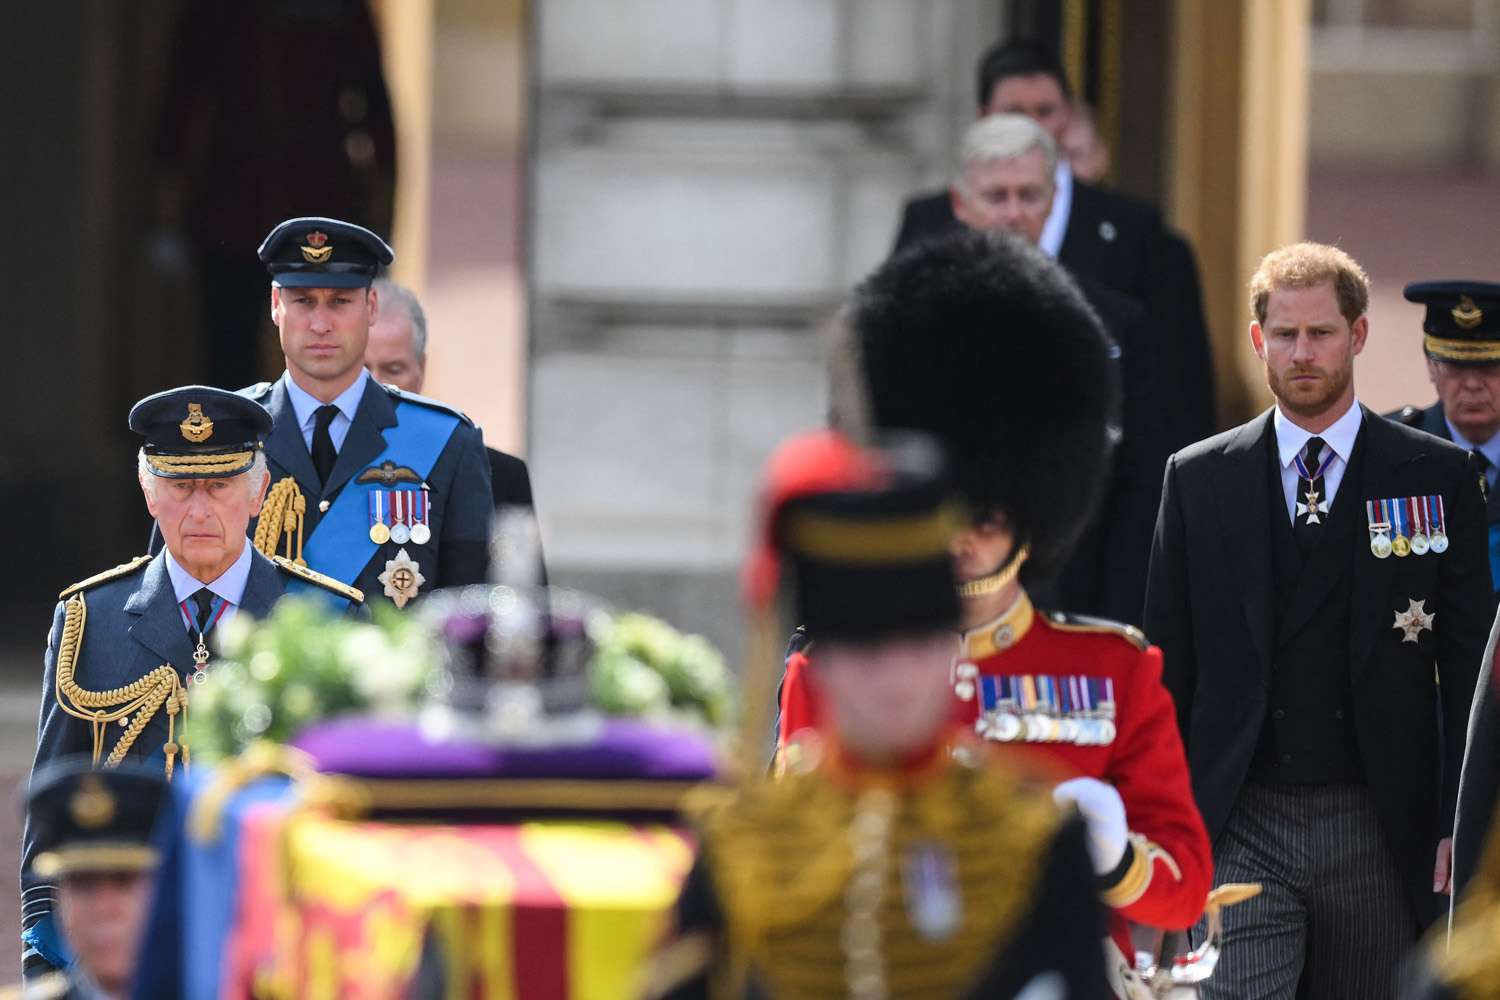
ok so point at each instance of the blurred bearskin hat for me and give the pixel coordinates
(986, 343)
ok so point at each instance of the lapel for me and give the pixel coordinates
(1322, 570)
(364, 440)
(1379, 479)
(263, 588)
(1244, 524)
(158, 622)
(285, 446)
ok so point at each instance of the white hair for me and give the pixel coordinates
(390, 293)
(1004, 137)
(254, 477)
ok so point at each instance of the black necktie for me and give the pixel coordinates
(1312, 498)
(204, 599)
(1484, 466)
(323, 454)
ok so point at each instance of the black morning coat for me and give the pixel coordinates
(1210, 606)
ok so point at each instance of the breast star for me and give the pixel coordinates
(1413, 620)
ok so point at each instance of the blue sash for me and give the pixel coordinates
(1495, 555)
(340, 545)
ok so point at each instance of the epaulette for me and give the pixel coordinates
(258, 389)
(411, 397)
(1409, 415)
(326, 582)
(124, 569)
(1087, 623)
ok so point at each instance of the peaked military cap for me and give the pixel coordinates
(862, 535)
(313, 252)
(94, 820)
(1462, 325)
(198, 432)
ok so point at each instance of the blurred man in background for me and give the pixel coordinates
(1005, 183)
(1099, 234)
(93, 833)
(397, 355)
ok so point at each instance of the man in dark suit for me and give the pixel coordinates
(378, 488)
(1318, 586)
(1100, 235)
(127, 643)
(1461, 340)
(1005, 183)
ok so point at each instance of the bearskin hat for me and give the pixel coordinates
(985, 343)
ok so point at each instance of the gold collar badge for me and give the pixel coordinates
(1466, 314)
(92, 806)
(197, 428)
(316, 251)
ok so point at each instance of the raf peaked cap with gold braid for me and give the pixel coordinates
(314, 252)
(197, 432)
(1462, 323)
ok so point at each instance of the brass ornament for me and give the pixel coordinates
(196, 428)
(317, 250)
(402, 578)
(1466, 314)
(92, 806)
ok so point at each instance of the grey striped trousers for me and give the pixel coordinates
(1332, 921)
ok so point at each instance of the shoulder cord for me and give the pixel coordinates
(143, 698)
(282, 514)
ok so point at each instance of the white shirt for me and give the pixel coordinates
(230, 584)
(1338, 438)
(1490, 449)
(305, 406)
(1056, 226)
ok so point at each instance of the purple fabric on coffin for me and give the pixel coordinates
(622, 749)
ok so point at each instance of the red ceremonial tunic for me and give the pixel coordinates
(1085, 695)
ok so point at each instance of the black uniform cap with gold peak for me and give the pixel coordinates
(87, 820)
(1462, 325)
(198, 432)
(314, 252)
(985, 343)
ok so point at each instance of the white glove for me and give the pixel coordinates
(1104, 812)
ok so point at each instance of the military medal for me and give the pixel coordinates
(1419, 541)
(421, 534)
(1106, 711)
(1439, 540)
(400, 512)
(1380, 528)
(402, 578)
(1400, 545)
(380, 532)
(999, 719)
(933, 901)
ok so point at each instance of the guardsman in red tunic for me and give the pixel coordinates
(1031, 446)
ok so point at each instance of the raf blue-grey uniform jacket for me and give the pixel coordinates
(132, 626)
(458, 485)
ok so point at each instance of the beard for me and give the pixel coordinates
(1310, 399)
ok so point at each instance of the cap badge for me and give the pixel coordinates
(197, 428)
(316, 252)
(92, 806)
(1466, 314)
